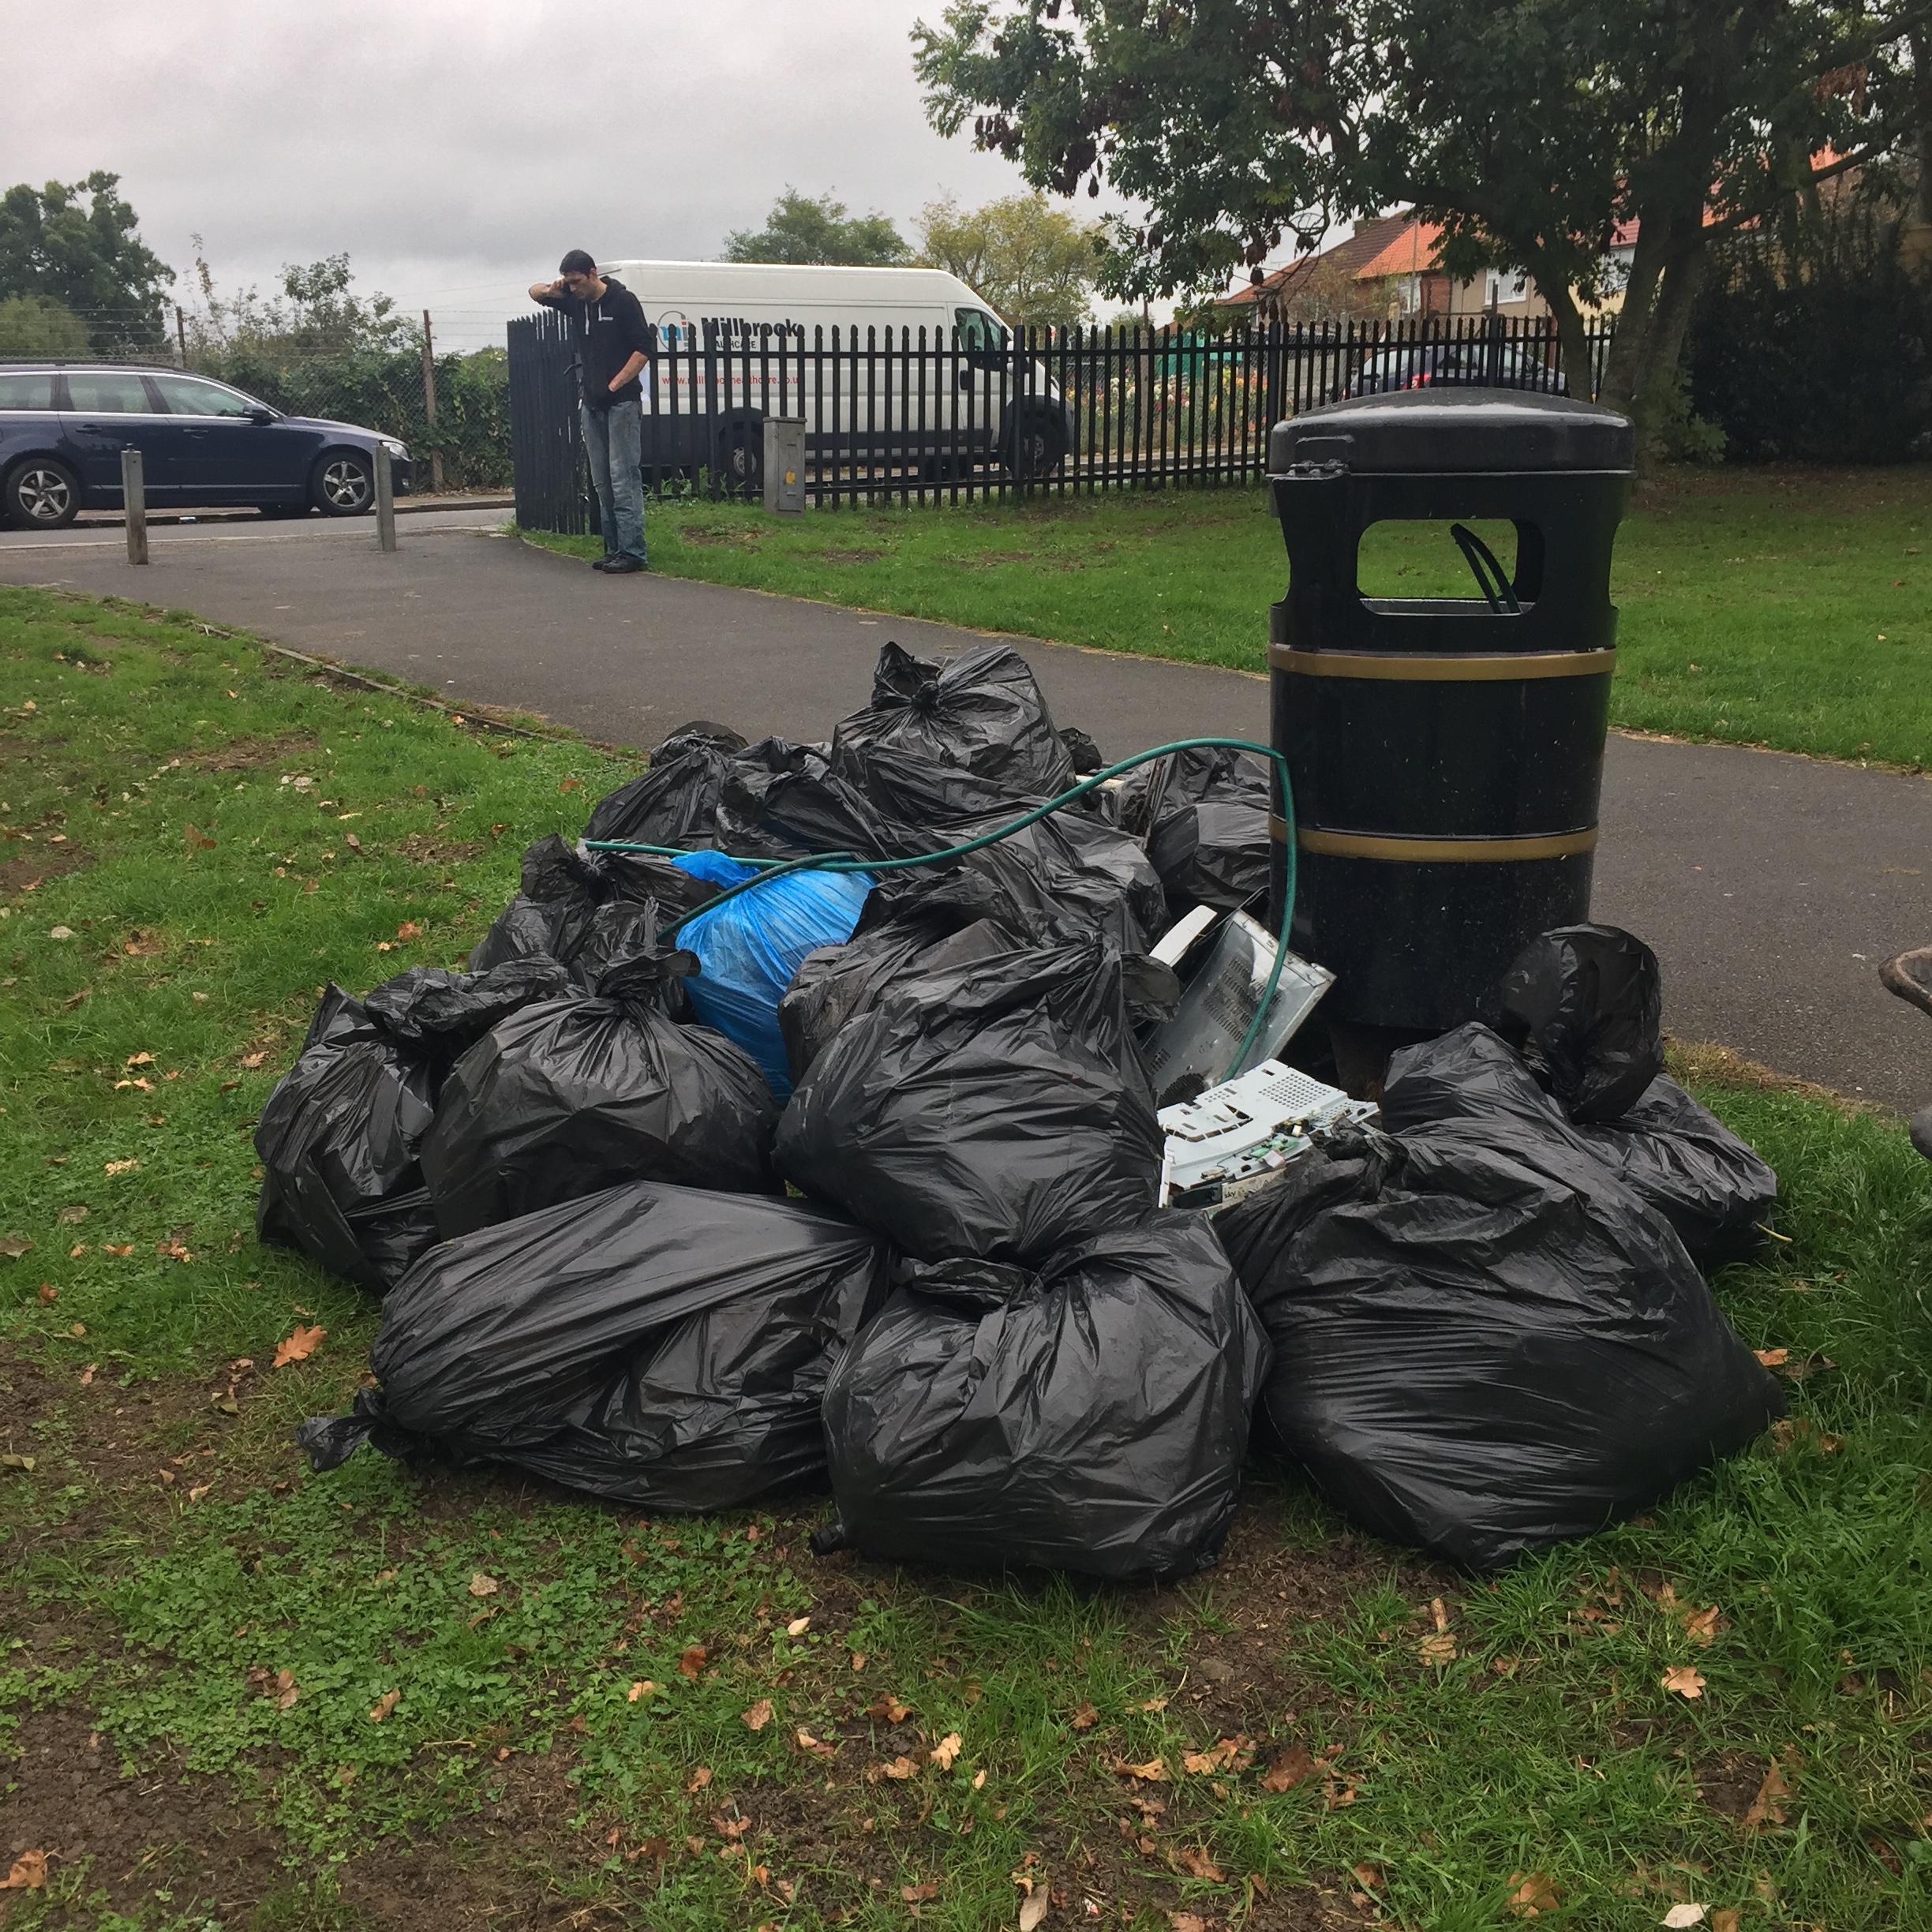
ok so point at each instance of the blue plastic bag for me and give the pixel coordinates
(749, 948)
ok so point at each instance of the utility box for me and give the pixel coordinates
(1445, 752)
(784, 466)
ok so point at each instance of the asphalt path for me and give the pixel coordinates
(1770, 886)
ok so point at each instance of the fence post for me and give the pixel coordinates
(181, 333)
(134, 498)
(385, 500)
(429, 405)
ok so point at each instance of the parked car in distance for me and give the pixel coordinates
(64, 425)
(1471, 363)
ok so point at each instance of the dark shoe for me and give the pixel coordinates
(622, 567)
(1910, 977)
(601, 563)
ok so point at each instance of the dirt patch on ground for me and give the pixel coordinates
(850, 556)
(429, 851)
(43, 862)
(250, 754)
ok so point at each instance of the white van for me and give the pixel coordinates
(904, 368)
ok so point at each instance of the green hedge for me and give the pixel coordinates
(384, 390)
(1815, 344)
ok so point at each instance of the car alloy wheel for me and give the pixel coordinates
(44, 494)
(345, 486)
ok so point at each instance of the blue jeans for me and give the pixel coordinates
(614, 441)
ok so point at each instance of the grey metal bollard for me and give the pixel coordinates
(784, 466)
(385, 500)
(134, 499)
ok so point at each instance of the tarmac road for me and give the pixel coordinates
(1770, 886)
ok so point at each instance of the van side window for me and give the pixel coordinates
(978, 329)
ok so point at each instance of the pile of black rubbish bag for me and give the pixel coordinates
(855, 1178)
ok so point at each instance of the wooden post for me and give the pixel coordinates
(385, 500)
(181, 333)
(134, 498)
(429, 405)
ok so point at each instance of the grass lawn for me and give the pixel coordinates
(1759, 607)
(233, 1695)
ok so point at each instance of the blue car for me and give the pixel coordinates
(63, 427)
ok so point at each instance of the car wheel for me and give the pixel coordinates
(42, 494)
(344, 484)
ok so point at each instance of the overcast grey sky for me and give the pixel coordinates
(456, 147)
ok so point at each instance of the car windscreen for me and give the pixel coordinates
(106, 392)
(194, 396)
(21, 390)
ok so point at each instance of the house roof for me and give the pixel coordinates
(1369, 240)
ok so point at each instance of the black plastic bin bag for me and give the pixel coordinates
(1203, 813)
(338, 1140)
(981, 712)
(659, 1346)
(674, 801)
(1092, 1417)
(1714, 1188)
(1484, 1342)
(1590, 1000)
(575, 1094)
(997, 1110)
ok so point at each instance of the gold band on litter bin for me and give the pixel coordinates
(1437, 851)
(1431, 668)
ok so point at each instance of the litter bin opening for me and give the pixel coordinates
(1478, 566)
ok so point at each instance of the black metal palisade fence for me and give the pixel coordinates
(901, 416)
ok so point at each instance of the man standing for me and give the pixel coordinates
(616, 342)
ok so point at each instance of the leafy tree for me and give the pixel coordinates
(1033, 262)
(36, 325)
(800, 230)
(1529, 129)
(88, 259)
(316, 315)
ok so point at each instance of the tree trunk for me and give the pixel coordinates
(1573, 339)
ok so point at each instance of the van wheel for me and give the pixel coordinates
(343, 484)
(1038, 446)
(741, 455)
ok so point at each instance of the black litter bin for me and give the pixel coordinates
(1445, 752)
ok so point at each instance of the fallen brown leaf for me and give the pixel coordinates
(1085, 1718)
(798, 1626)
(254, 1060)
(481, 1584)
(1534, 1893)
(858, 1660)
(692, 1661)
(818, 1747)
(914, 1895)
(29, 1873)
(886, 1708)
(49, 1292)
(1683, 1680)
(1186, 1921)
(1153, 1772)
(1154, 1704)
(1230, 1753)
(384, 1705)
(642, 1688)
(409, 930)
(120, 1166)
(1772, 1358)
(945, 1751)
(298, 1345)
(900, 1768)
(1702, 1626)
(1368, 1877)
(68, 1216)
(1195, 1861)
(1724, 1920)
(756, 1716)
(1767, 1806)
(1292, 1767)
(699, 1779)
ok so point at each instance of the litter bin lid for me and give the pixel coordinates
(1456, 428)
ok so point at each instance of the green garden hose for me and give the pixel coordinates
(851, 862)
